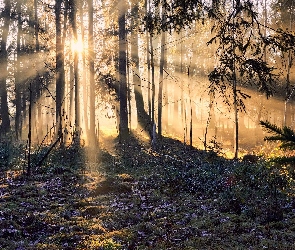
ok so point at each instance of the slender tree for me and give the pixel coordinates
(143, 118)
(60, 76)
(148, 61)
(240, 58)
(123, 126)
(37, 46)
(91, 58)
(161, 78)
(4, 113)
(18, 73)
(74, 9)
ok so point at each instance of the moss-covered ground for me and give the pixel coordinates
(133, 197)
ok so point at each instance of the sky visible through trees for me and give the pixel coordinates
(82, 70)
(141, 124)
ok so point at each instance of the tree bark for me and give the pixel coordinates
(143, 118)
(147, 6)
(37, 46)
(18, 73)
(93, 139)
(123, 126)
(59, 67)
(5, 125)
(161, 80)
(76, 73)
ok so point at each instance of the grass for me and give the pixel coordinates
(136, 198)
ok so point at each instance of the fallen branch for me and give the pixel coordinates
(49, 150)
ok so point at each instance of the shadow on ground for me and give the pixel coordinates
(133, 197)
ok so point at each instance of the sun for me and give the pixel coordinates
(77, 45)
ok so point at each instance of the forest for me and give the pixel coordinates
(165, 124)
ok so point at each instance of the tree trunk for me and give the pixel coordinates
(147, 6)
(76, 73)
(161, 79)
(123, 126)
(59, 67)
(289, 91)
(153, 85)
(234, 88)
(5, 125)
(82, 68)
(18, 73)
(166, 100)
(143, 118)
(93, 139)
(37, 46)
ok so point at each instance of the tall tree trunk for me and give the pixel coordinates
(191, 108)
(161, 80)
(18, 73)
(183, 106)
(37, 46)
(176, 93)
(65, 138)
(93, 139)
(73, 5)
(72, 96)
(129, 89)
(123, 126)
(289, 91)
(153, 85)
(147, 7)
(59, 67)
(36, 26)
(166, 104)
(4, 113)
(143, 118)
(82, 68)
(234, 88)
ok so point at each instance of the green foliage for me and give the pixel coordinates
(257, 190)
(4, 154)
(281, 166)
(179, 14)
(161, 199)
(285, 135)
(240, 55)
(12, 155)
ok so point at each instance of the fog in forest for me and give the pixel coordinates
(63, 72)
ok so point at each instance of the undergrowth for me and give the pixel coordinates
(136, 198)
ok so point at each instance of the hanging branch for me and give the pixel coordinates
(286, 135)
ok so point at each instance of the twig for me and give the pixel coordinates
(49, 150)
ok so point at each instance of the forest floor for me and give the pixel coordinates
(137, 198)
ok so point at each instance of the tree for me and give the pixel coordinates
(161, 78)
(240, 57)
(92, 72)
(284, 19)
(148, 61)
(18, 73)
(4, 113)
(237, 33)
(143, 118)
(60, 77)
(123, 126)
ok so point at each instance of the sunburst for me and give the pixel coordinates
(78, 45)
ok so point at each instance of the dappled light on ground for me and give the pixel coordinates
(134, 197)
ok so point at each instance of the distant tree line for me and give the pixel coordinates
(63, 61)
